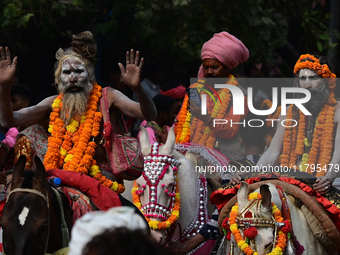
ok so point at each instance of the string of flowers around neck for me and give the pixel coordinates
(251, 217)
(155, 167)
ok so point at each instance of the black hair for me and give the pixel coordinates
(253, 136)
(22, 90)
(123, 241)
(163, 103)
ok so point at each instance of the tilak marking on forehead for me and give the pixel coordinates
(23, 216)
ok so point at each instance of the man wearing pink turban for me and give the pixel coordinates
(225, 49)
(220, 54)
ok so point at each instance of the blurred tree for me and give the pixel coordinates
(173, 31)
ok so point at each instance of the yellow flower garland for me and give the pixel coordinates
(203, 135)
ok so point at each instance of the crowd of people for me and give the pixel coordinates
(66, 131)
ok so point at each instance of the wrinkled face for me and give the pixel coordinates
(73, 75)
(212, 68)
(310, 79)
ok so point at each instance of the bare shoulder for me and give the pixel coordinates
(47, 101)
(113, 95)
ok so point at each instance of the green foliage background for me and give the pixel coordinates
(170, 32)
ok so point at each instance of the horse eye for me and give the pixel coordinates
(269, 245)
(43, 228)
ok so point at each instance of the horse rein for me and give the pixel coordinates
(36, 192)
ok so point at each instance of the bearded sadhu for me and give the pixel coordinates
(313, 144)
(75, 114)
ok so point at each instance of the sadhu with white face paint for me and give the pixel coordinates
(313, 145)
(76, 122)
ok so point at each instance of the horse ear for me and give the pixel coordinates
(18, 172)
(40, 173)
(266, 196)
(144, 140)
(170, 141)
(242, 195)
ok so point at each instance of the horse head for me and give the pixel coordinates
(256, 213)
(25, 217)
(157, 187)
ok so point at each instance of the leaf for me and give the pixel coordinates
(324, 37)
(268, 21)
(77, 2)
(10, 11)
(6, 22)
(27, 17)
(320, 48)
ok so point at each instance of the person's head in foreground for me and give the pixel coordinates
(98, 222)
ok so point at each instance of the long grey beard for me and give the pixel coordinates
(318, 99)
(74, 103)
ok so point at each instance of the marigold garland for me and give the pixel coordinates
(322, 141)
(158, 225)
(70, 148)
(282, 237)
(201, 134)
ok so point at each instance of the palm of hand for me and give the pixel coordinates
(7, 68)
(131, 75)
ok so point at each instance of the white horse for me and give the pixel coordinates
(264, 241)
(193, 191)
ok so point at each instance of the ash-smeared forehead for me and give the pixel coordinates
(307, 73)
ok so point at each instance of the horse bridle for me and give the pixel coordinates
(257, 219)
(36, 192)
(155, 167)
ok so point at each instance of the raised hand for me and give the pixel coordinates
(7, 67)
(131, 74)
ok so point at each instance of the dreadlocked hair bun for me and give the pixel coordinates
(84, 45)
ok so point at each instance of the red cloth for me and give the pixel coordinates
(2, 204)
(176, 93)
(221, 197)
(103, 197)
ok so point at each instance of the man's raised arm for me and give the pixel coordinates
(7, 72)
(145, 109)
(26, 116)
